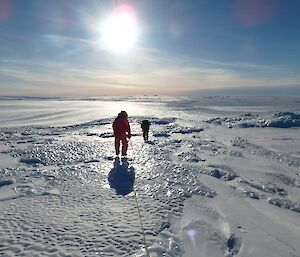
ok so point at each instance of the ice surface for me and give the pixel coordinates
(203, 189)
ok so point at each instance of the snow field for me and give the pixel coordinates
(60, 195)
(203, 189)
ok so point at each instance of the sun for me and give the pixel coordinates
(120, 30)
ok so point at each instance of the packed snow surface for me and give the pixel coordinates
(219, 177)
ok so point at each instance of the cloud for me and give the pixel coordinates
(94, 71)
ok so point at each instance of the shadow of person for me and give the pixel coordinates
(121, 177)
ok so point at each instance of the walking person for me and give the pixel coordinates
(121, 129)
(145, 125)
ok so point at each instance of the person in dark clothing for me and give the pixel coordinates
(121, 129)
(145, 127)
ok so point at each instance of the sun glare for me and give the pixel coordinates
(120, 30)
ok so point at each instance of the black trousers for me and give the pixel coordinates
(146, 135)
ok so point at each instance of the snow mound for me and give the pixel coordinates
(106, 135)
(162, 134)
(30, 160)
(278, 120)
(164, 121)
(188, 130)
(5, 182)
(285, 203)
(284, 120)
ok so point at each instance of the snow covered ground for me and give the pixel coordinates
(220, 176)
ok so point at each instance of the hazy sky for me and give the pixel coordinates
(56, 47)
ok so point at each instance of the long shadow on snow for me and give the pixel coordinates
(121, 177)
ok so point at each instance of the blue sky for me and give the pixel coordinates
(55, 47)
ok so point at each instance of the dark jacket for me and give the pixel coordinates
(145, 125)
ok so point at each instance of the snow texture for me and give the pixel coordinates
(202, 189)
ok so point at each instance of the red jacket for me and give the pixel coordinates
(121, 126)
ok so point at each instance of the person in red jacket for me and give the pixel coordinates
(121, 129)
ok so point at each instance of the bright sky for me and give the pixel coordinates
(97, 47)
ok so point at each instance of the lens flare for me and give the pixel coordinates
(6, 9)
(192, 233)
